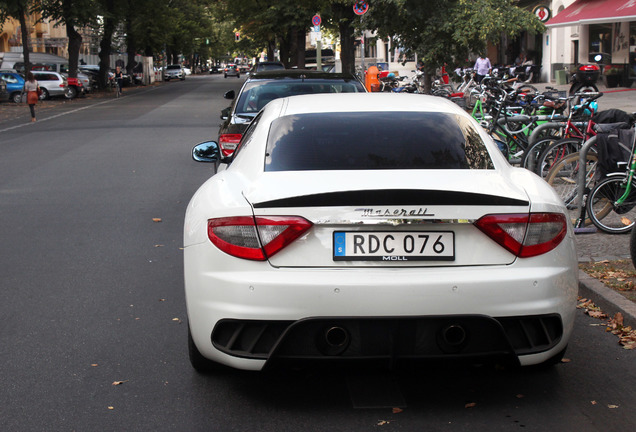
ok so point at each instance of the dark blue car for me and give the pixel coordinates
(15, 84)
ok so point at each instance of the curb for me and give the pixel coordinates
(607, 299)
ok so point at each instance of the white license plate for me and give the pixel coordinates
(394, 246)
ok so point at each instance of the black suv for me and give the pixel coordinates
(263, 87)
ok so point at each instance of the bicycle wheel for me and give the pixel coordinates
(564, 179)
(555, 152)
(532, 154)
(605, 212)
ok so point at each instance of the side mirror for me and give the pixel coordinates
(230, 94)
(225, 113)
(206, 152)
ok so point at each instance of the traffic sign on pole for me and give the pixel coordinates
(360, 7)
(316, 20)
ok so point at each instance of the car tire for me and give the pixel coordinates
(16, 97)
(70, 92)
(199, 363)
(45, 94)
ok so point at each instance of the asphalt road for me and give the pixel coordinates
(92, 295)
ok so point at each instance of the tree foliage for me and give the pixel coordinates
(445, 31)
(18, 9)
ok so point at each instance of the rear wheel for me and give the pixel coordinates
(70, 92)
(605, 212)
(583, 88)
(16, 97)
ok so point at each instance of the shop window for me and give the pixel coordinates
(601, 41)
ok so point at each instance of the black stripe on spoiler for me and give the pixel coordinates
(388, 197)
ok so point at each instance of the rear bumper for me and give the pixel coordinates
(387, 339)
(300, 303)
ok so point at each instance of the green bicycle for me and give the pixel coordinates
(612, 202)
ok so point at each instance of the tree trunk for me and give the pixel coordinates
(74, 46)
(25, 39)
(293, 47)
(300, 48)
(74, 38)
(104, 48)
(348, 49)
(285, 51)
(271, 48)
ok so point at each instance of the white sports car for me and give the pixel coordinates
(374, 226)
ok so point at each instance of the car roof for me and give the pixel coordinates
(299, 74)
(363, 102)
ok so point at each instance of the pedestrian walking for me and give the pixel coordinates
(32, 90)
(482, 67)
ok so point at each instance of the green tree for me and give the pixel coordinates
(18, 9)
(446, 31)
(74, 14)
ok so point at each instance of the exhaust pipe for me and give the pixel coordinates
(333, 340)
(336, 337)
(452, 338)
(454, 335)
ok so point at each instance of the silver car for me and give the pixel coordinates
(51, 83)
(174, 72)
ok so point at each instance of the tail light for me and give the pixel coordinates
(525, 235)
(228, 143)
(255, 238)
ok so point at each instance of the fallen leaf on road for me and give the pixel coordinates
(397, 410)
(119, 382)
(470, 405)
(111, 408)
(593, 402)
(519, 396)
(176, 319)
(158, 245)
(612, 406)
(156, 219)
(383, 422)
(565, 360)
(94, 365)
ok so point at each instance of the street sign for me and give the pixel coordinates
(360, 7)
(316, 21)
(316, 29)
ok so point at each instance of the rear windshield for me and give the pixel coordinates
(173, 67)
(372, 141)
(258, 93)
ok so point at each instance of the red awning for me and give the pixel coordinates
(595, 12)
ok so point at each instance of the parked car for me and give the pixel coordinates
(52, 84)
(380, 227)
(78, 86)
(263, 87)
(215, 70)
(14, 85)
(231, 70)
(266, 66)
(174, 72)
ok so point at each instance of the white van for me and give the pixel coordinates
(39, 61)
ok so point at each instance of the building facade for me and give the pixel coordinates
(591, 31)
